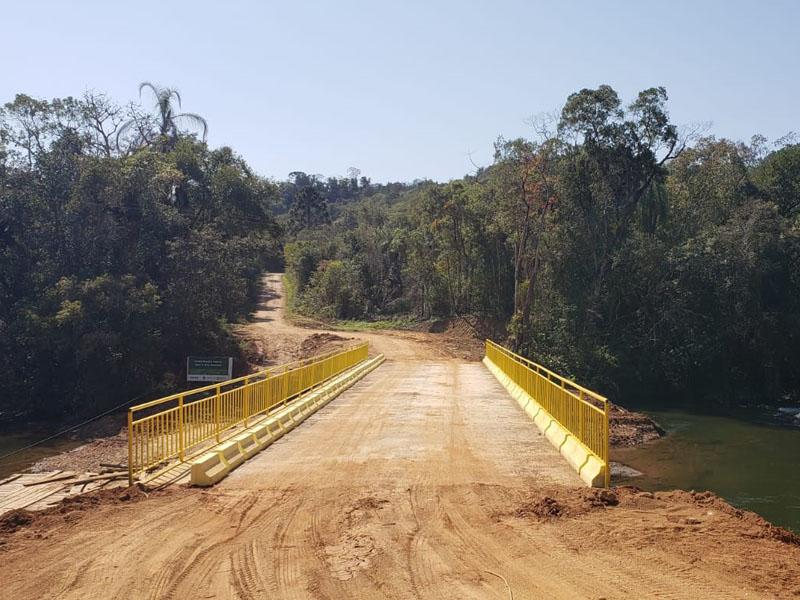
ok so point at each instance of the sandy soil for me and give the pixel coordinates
(424, 480)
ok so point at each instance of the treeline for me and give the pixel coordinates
(311, 200)
(648, 265)
(125, 244)
(613, 250)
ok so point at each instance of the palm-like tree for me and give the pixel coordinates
(167, 117)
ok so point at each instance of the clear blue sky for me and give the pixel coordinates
(406, 90)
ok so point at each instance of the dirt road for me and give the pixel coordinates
(281, 341)
(425, 480)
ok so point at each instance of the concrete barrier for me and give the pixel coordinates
(267, 433)
(589, 468)
(208, 469)
(248, 444)
(212, 466)
(231, 453)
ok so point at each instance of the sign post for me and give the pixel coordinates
(209, 368)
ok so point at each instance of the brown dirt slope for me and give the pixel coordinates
(628, 428)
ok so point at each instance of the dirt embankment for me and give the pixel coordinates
(39, 524)
(693, 510)
(614, 543)
(628, 428)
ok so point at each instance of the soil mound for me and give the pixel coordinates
(628, 428)
(317, 343)
(566, 502)
(67, 510)
(16, 519)
(543, 508)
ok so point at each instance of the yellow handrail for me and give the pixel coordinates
(171, 427)
(582, 412)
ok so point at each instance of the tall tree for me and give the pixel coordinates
(167, 119)
(613, 158)
(523, 179)
(308, 206)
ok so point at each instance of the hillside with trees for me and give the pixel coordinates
(125, 244)
(645, 262)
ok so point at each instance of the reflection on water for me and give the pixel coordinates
(753, 466)
(9, 442)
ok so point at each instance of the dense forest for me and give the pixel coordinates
(610, 246)
(649, 263)
(125, 244)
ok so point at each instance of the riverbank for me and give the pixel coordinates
(629, 429)
(750, 463)
(83, 448)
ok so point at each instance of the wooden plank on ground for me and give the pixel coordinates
(10, 479)
(26, 496)
(62, 477)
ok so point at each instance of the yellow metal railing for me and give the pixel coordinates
(582, 412)
(175, 426)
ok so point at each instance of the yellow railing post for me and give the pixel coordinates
(607, 453)
(217, 416)
(246, 409)
(130, 447)
(180, 428)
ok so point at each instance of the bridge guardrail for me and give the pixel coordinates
(582, 412)
(173, 426)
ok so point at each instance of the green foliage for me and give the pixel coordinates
(394, 323)
(308, 207)
(114, 267)
(332, 291)
(302, 259)
(778, 177)
(612, 253)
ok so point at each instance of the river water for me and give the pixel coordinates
(755, 466)
(24, 458)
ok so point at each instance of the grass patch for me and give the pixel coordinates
(295, 312)
(290, 290)
(356, 325)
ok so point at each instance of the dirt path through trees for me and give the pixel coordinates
(281, 341)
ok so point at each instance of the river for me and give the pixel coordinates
(752, 465)
(24, 458)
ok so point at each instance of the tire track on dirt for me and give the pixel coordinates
(188, 563)
(285, 570)
(246, 579)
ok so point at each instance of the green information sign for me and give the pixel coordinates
(209, 368)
